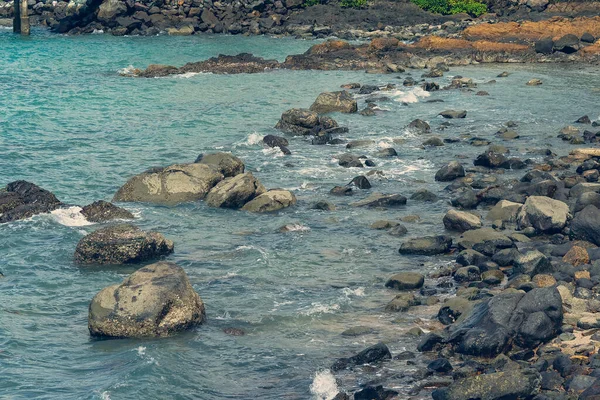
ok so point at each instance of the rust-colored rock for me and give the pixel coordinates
(543, 280)
(328, 47)
(383, 44)
(577, 256)
(582, 275)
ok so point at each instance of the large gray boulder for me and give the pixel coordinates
(586, 225)
(121, 244)
(226, 163)
(235, 192)
(544, 214)
(450, 172)
(21, 199)
(505, 211)
(171, 185)
(109, 10)
(298, 121)
(272, 200)
(156, 300)
(461, 221)
(428, 245)
(341, 101)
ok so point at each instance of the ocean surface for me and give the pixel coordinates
(71, 124)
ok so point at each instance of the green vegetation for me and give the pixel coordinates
(310, 3)
(353, 3)
(449, 7)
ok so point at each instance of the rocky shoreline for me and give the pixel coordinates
(523, 317)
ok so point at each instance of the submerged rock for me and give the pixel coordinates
(451, 114)
(121, 244)
(171, 185)
(371, 354)
(21, 199)
(381, 200)
(156, 300)
(272, 200)
(102, 211)
(235, 192)
(341, 101)
(429, 245)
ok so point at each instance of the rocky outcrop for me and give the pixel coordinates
(272, 200)
(21, 199)
(226, 163)
(427, 246)
(103, 211)
(235, 192)
(156, 300)
(171, 185)
(121, 244)
(544, 214)
(242, 63)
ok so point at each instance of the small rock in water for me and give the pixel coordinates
(502, 74)
(323, 205)
(534, 82)
(372, 354)
(294, 228)
(358, 331)
(361, 182)
(341, 191)
(583, 120)
(233, 332)
(451, 114)
(406, 281)
(102, 211)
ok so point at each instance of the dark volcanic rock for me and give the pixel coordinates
(21, 199)
(586, 225)
(450, 172)
(121, 244)
(371, 354)
(451, 114)
(275, 141)
(381, 200)
(102, 211)
(361, 182)
(375, 393)
(544, 46)
(567, 44)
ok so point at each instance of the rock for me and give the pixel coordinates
(398, 230)
(361, 182)
(531, 263)
(121, 244)
(387, 152)
(583, 120)
(360, 143)
(492, 277)
(503, 75)
(461, 221)
(358, 331)
(440, 365)
(348, 160)
(103, 211)
(587, 38)
(493, 325)
(298, 121)
(419, 126)
(428, 245)
(434, 141)
(511, 384)
(272, 200)
(171, 185)
(475, 238)
(21, 199)
(451, 114)
(505, 211)
(156, 300)
(375, 393)
(376, 353)
(544, 46)
(450, 172)
(341, 101)
(592, 392)
(402, 302)
(534, 82)
(586, 225)
(381, 200)
(323, 205)
(233, 331)
(544, 214)
(235, 192)
(470, 257)
(482, 93)
(543, 280)
(383, 224)
(342, 191)
(109, 10)
(567, 44)
(490, 159)
(424, 195)
(226, 163)
(465, 198)
(577, 256)
(467, 274)
(429, 341)
(275, 141)
(406, 281)
(452, 309)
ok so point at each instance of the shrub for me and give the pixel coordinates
(353, 3)
(448, 7)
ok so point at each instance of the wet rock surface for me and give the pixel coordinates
(21, 199)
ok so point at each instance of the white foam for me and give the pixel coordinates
(97, 32)
(324, 386)
(318, 308)
(127, 71)
(105, 395)
(187, 75)
(254, 139)
(359, 291)
(141, 351)
(411, 96)
(71, 216)
(296, 228)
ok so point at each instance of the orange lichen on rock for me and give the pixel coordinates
(592, 50)
(329, 47)
(577, 256)
(384, 44)
(439, 43)
(532, 31)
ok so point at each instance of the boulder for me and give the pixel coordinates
(121, 244)
(511, 384)
(402, 302)
(505, 211)
(171, 185)
(381, 200)
(419, 126)
(235, 192)
(298, 121)
(567, 44)
(109, 10)
(348, 160)
(406, 281)
(156, 300)
(544, 214)
(424, 195)
(450, 172)
(103, 211)
(375, 353)
(21, 199)
(544, 46)
(451, 114)
(341, 101)
(275, 141)
(586, 225)
(490, 159)
(226, 163)
(428, 245)
(461, 221)
(534, 82)
(531, 263)
(272, 200)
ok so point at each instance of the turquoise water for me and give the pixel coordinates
(71, 124)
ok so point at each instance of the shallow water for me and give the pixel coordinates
(69, 123)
